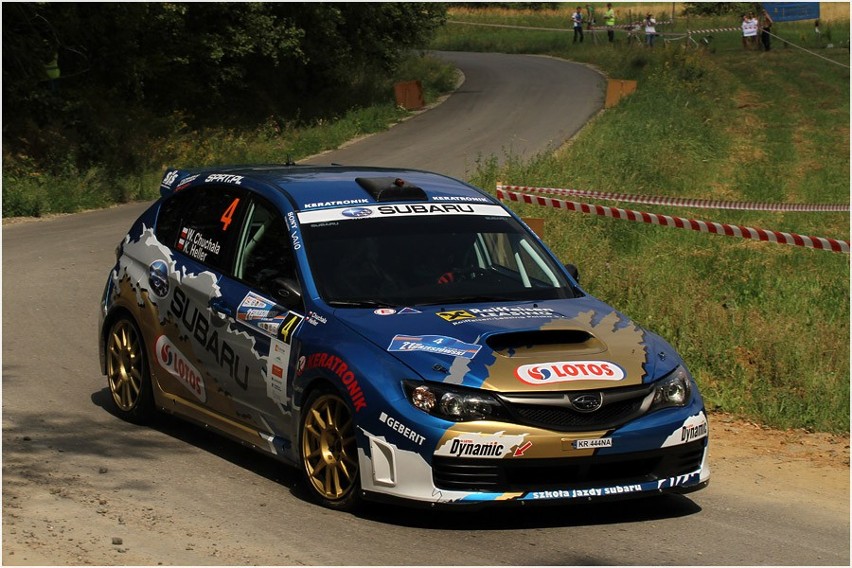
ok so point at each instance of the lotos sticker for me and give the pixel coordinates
(566, 371)
(173, 361)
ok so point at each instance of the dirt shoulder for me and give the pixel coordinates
(778, 465)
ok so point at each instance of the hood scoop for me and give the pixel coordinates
(547, 343)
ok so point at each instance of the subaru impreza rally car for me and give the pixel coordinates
(395, 334)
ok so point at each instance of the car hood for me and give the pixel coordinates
(557, 345)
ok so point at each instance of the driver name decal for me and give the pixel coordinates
(194, 244)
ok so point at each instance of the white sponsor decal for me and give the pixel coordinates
(186, 181)
(252, 300)
(693, 428)
(173, 361)
(401, 428)
(566, 371)
(376, 211)
(276, 371)
(335, 203)
(224, 178)
(592, 492)
(169, 178)
(460, 198)
(480, 445)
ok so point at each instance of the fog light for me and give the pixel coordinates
(423, 398)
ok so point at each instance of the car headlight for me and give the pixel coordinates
(675, 389)
(453, 403)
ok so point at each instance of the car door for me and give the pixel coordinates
(261, 301)
(197, 347)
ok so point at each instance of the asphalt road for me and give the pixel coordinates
(81, 486)
(508, 106)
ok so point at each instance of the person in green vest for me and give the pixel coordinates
(51, 69)
(609, 20)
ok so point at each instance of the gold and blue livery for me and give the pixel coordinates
(396, 335)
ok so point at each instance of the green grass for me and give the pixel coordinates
(763, 327)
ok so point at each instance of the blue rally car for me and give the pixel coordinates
(395, 334)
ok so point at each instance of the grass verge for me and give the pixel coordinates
(764, 327)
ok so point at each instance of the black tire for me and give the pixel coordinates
(128, 376)
(328, 451)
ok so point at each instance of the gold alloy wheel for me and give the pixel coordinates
(125, 365)
(329, 451)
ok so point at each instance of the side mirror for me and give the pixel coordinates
(287, 292)
(572, 270)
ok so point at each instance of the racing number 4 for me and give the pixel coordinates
(228, 215)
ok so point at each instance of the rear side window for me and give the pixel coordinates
(202, 223)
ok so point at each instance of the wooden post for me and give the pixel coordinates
(409, 95)
(616, 89)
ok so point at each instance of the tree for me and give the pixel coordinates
(720, 8)
(124, 64)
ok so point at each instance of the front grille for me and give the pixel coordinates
(553, 412)
(518, 475)
(568, 420)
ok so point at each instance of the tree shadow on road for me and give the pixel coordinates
(214, 443)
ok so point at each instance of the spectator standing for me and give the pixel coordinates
(650, 30)
(609, 20)
(749, 30)
(765, 28)
(51, 71)
(577, 18)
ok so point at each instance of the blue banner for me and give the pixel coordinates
(792, 11)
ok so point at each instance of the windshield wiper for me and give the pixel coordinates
(470, 299)
(359, 304)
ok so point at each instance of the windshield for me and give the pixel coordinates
(429, 259)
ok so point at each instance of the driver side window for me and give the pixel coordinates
(263, 253)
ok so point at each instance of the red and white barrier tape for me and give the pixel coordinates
(680, 222)
(714, 30)
(638, 24)
(683, 202)
(570, 28)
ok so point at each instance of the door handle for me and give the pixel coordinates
(219, 306)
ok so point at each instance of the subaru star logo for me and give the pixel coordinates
(357, 212)
(158, 278)
(587, 402)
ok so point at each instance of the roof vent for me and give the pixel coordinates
(391, 189)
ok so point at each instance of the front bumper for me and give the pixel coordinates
(657, 453)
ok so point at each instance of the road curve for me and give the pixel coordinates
(508, 105)
(81, 486)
